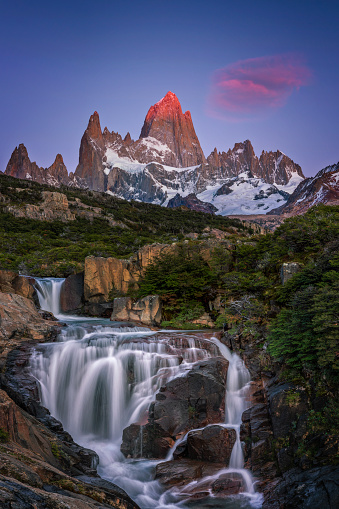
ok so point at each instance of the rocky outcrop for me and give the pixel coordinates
(191, 202)
(183, 471)
(104, 277)
(288, 270)
(12, 282)
(146, 310)
(191, 401)
(213, 444)
(54, 207)
(323, 188)
(318, 487)
(72, 293)
(19, 318)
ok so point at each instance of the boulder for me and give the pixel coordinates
(72, 293)
(318, 487)
(185, 402)
(146, 310)
(183, 471)
(228, 484)
(213, 444)
(146, 441)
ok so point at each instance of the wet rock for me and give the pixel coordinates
(228, 484)
(183, 471)
(193, 400)
(287, 405)
(213, 444)
(186, 402)
(102, 309)
(72, 293)
(146, 441)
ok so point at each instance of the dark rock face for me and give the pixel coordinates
(213, 444)
(192, 203)
(224, 189)
(185, 402)
(147, 441)
(318, 487)
(288, 270)
(72, 293)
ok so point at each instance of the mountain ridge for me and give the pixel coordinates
(167, 160)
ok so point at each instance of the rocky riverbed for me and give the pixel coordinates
(41, 465)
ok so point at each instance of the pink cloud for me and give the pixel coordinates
(251, 87)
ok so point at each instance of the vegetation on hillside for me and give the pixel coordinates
(55, 248)
(293, 326)
(299, 321)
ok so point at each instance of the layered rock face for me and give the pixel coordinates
(323, 188)
(104, 275)
(54, 206)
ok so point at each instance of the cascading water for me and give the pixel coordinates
(49, 290)
(98, 379)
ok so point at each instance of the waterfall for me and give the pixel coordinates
(49, 290)
(236, 401)
(100, 378)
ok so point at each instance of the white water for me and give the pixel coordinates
(49, 290)
(98, 379)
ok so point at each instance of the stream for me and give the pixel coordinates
(101, 376)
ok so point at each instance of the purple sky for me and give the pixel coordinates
(260, 70)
